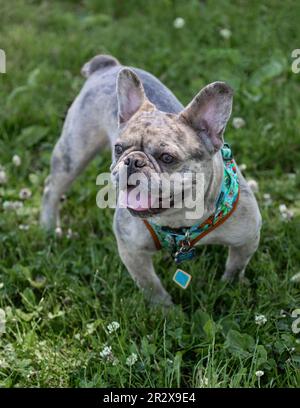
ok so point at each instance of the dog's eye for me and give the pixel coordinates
(166, 158)
(118, 149)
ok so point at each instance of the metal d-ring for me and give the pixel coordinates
(186, 243)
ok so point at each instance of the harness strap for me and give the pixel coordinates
(153, 234)
(203, 234)
(218, 223)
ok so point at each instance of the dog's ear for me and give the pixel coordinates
(208, 114)
(130, 93)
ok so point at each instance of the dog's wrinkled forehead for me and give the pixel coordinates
(200, 125)
(156, 128)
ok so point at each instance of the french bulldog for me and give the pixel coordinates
(152, 133)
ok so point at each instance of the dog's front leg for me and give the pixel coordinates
(140, 266)
(238, 259)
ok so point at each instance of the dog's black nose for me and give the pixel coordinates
(134, 164)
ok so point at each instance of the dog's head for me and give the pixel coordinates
(153, 144)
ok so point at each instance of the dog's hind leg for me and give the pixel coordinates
(84, 134)
(76, 147)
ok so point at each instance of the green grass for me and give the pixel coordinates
(59, 295)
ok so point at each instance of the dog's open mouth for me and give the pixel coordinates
(143, 205)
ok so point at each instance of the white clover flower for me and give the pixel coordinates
(3, 364)
(282, 208)
(112, 327)
(238, 123)
(289, 214)
(58, 232)
(225, 33)
(23, 227)
(69, 233)
(1, 285)
(179, 22)
(2, 321)
(17, 205)
(108, 356)
(295, 278)
(16, 160)
(77, 336)
(131, 360)
(12, 205)
(285, 213)
(259, 373)
(267, 199)
(3, 177)
(203, 382)
(253, 184)
(90, 328)
(242, 167)
(260, 320)
(25, 193)
(7, 205)
(106, 352)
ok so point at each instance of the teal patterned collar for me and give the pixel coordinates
(180, 241)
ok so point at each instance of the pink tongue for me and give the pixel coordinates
(138, 203)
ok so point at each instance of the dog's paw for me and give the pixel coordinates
(161, 301)
(227, 278)
(244, 281)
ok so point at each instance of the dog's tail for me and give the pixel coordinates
(97, 63)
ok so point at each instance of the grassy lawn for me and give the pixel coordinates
(58, 295)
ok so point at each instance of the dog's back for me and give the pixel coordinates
(98, 97)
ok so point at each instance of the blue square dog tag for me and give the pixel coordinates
(182, 278)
